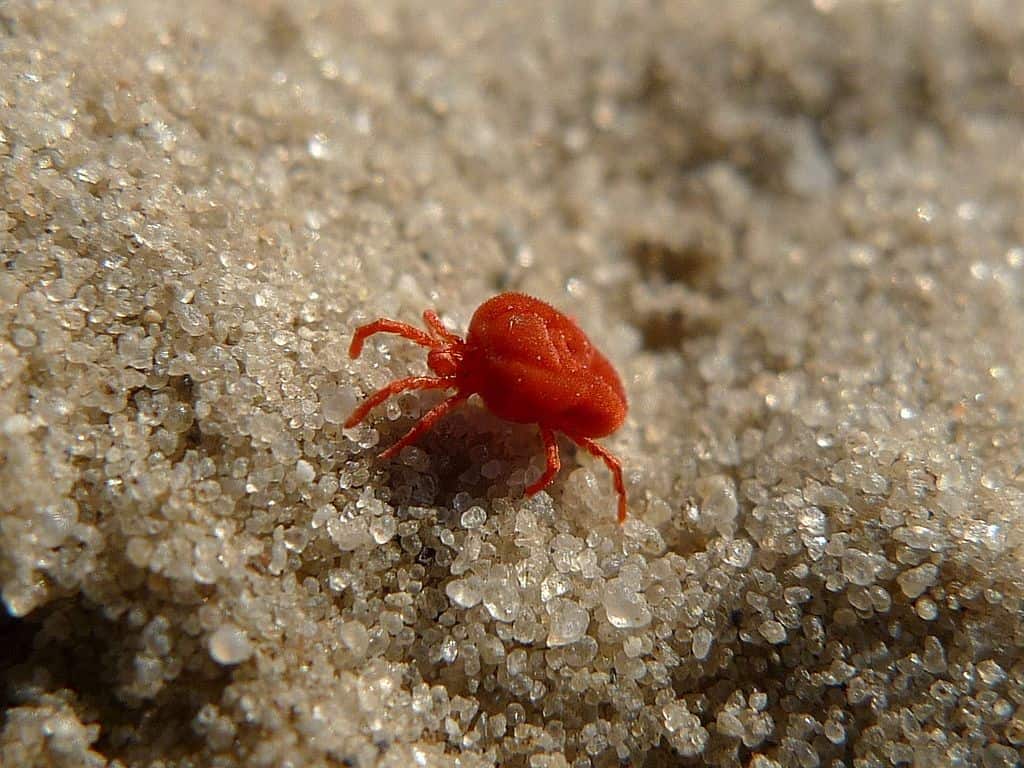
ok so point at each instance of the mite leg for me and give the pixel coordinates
(434, 324)
(401, 385)
(430, 418)
(613, 464)
(384, 325)
(554, 461)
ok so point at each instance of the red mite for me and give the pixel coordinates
(530, 363)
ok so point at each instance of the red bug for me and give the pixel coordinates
(530, 363)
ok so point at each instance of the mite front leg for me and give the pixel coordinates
(437, 327)
(384, 325)
(401, 385)
(429, 419)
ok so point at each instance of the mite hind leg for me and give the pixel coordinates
(613, 464)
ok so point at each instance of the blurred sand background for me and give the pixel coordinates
(795, 227)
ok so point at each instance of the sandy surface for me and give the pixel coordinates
(796, 228)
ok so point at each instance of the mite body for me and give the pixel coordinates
(528, 362)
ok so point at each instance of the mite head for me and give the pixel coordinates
(445, 360)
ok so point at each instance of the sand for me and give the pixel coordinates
(794, 227)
